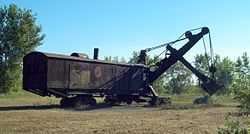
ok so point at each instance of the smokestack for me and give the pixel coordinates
(96, 51)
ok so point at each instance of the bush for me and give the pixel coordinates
(232, 126)
(244, 98)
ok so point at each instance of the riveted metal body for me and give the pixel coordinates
(62, 76)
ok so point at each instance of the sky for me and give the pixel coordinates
(119, 27)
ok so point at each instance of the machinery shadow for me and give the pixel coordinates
(29, 107)
(99, 106)
(47, 107)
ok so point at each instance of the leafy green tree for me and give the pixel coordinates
(241, 79)
(241, 82)
(134, 58)
(115, 59)
(201, 63)
(225, 74)
(224, 69)
(19, 34)
(178, 78)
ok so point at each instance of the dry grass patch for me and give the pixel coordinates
(113, 120)
(25, 115)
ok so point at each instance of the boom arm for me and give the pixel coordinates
(167, 62)
(208, 84)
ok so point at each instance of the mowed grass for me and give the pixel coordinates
(15, 119)
(26, 98)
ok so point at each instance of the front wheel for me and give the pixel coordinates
(84, 102)
(66, 102)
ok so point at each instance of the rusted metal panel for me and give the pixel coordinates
(67, 73)
(56, 73)
(79, 75)
(123, 78)
(34, 72)
(138, 78)
(101, 76)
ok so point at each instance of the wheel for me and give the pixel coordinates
(107, 100)
(66, 102)
(80, 103)
(129, 102)
(92, 101)
(201, 100)
(112, 101)
(84, 102)
(154, 101)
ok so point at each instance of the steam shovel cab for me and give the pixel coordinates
(78, 80)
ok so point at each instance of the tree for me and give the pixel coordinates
(108, 58)
(122, 60)
(225, 74)
(224, 69)
(241, 82)
(134, 58)
(115, 59)
(178, 78)
(19, 34)
(201, 63)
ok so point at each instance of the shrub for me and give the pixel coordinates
(232, 126)
(244, 98)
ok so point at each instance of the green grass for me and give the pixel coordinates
(189, 98)
(26, 98)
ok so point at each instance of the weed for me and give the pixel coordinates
(232, 126)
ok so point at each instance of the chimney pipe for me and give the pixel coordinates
(96, 51)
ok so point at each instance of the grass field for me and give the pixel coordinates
(25, 113)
